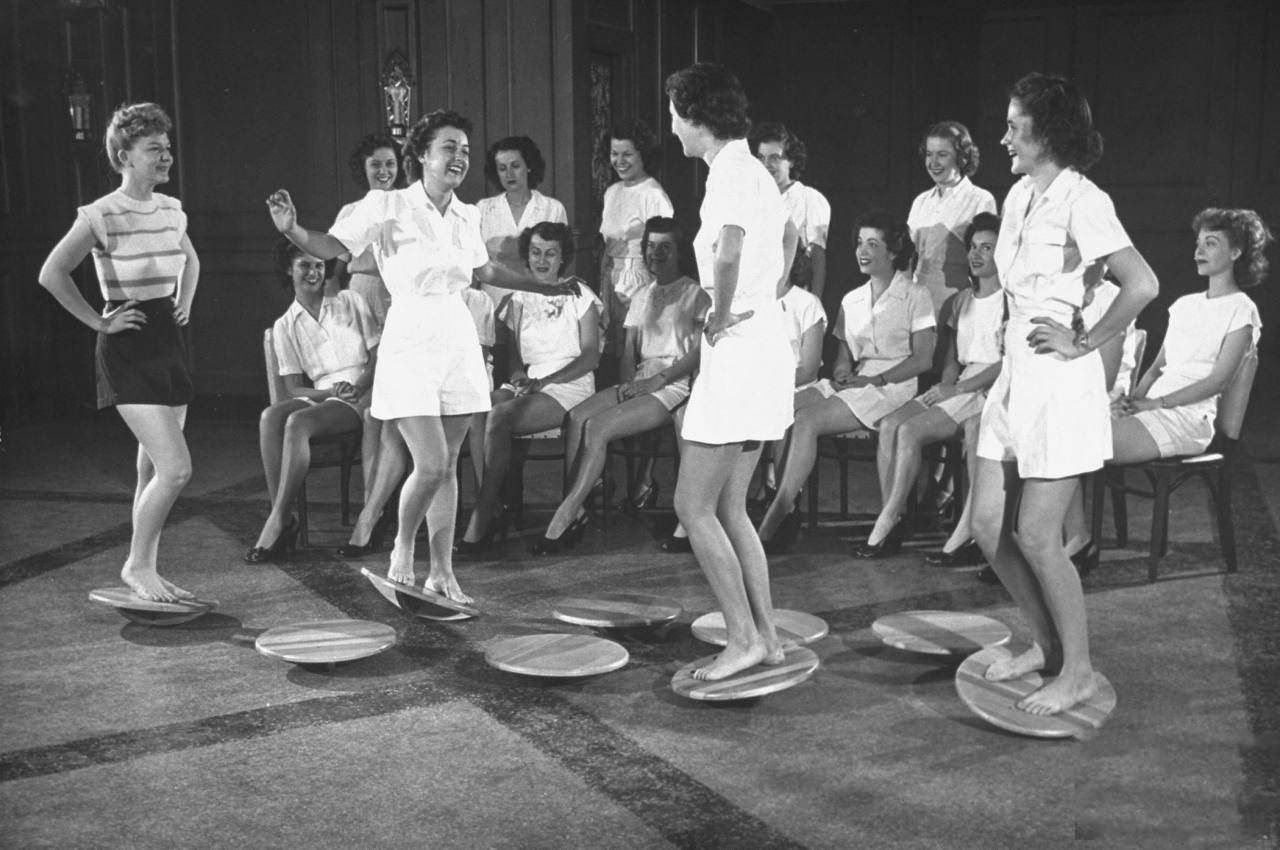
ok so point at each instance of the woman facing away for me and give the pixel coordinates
(147, 269)
(431, 374)
(327, 349)
(663, 326)
(1047, 419)
(743, 394)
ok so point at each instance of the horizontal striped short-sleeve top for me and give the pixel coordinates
(138, 245)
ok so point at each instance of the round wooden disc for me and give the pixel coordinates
(616, 610)
(556, 655)
(418, 601)
(326, 641)
(995, 702)
(148, 611)
(940, 632)
(798, 664)
(794, 626)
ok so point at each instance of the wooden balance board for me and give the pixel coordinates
(799, 663)
(326, 642)
(556, 655)
(149, 612)
(940, 632)
(995, 702)
(616, 610)
(794, 626)
(417, 601)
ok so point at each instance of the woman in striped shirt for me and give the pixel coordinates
(147, 269)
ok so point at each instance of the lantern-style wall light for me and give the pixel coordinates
(397, 88)
(80, 105)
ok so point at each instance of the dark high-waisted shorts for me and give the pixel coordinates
(149, 365)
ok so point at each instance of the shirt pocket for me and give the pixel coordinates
(1044, 250)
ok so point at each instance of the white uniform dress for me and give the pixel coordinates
(429, 362)
(1198, 325)
(804, 310)
(546, 333)
(365, 280)
(745, 388)
(501, 232)
(938, 220)
(977, 323)
(331, 347)
(626, 209)
(668, 319)
(879, 338)
(1049, 413)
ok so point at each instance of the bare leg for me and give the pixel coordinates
(576, 421)
(828, 416)
(159, 432)
(428, 445)
(1075, 529)
(633, 416)
(916, 428)
(732, 512)
(475, 444)
(370, 440)
(442, 515)
(330, 417)
(963, 532)
(271, 441)
(393, 461)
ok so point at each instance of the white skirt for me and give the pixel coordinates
(429, 360)
(746, 384)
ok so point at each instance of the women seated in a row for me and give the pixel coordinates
(886, 330)
(556, 347)
(326, 347)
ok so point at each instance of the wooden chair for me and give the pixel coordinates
(340, 450)
(844, 448)
(1166, 475)
(637, 450)
(542, 446)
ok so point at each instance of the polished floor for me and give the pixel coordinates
(118, 735)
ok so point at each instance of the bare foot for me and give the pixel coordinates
(177, 591)
(401, 569)
(732, 660)
(776, 653)
(446, 584)
(146, 584)
(1060, 694)
(1031, 661)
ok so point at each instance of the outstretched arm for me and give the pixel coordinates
(285, 217)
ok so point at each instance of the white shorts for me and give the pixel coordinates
(1177, 430)
(568, 395)
(672, 395)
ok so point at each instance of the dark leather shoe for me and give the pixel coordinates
(968, 555)
(1086, 560)
(986, 575)
(673, 545)
(890, 545)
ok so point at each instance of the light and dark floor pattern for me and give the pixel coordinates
(118, 735)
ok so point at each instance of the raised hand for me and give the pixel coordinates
(283, 214)
(124, 318)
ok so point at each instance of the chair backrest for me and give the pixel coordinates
(275, 383)
(1235, 398)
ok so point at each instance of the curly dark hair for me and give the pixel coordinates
(961, 142)
(283, 253)
(639, 134)
(549, 231)
(661, 224)
(1061, 119)
(710, 95)
(1245, 230)
(364, 149)
(423, 132)
(792, 148)
(982, 222)
(897, 236)
(528, 151)
(133, 121)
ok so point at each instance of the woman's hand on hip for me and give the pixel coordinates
(717, 327)
(1053, 337)
(126, 317)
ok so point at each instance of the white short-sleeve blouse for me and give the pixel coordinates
(882, 331)
(332, 346)
(810, 212)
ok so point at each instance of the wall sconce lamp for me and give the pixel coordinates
(397, 87)
(80, 105)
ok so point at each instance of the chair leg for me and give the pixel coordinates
(344, 495)
(1226, 529)
(1120, 510)
(1097, 495)
(302, 515)
(1161, 482)
(844, 487)
(813, 498)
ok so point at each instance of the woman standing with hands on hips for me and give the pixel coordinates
(744, 393)
(1047, 418)
(148, 270)
(431, 375)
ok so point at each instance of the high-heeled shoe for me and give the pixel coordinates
(288, 540)
(643, 499)
(497, 528)
(571, 537)
(1086, 560)
(967, 555)
(890, 545)
(376, 536)
(786, 535)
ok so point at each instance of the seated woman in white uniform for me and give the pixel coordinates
(886, 328)
(1047, 418)
(556, 345)
(976, 317)
(1172, 410)
(431, 375)
(663, 325)
(326, 347)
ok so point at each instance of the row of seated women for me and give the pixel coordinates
(887, 330)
